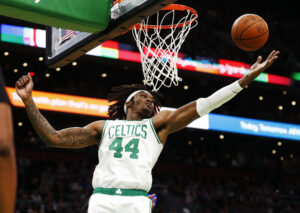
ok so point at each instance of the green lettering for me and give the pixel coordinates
(122, 132)
(132, 147)
(110, 135)
(117, 133)
(116, 145)
(144, 130)
(128, 129)
(137, 134)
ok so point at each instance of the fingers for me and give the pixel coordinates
(154, 200)
(151, 196)
(271, 55)
(18, 84)
(259, 58)
(274, 55)
(23, 81)
(29, 76)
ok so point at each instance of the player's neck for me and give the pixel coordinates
(133, 116)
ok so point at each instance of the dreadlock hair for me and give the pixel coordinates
(121, 93)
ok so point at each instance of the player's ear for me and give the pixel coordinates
(128, 105)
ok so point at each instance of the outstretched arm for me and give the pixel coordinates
(258, 67)
(167, 122)
(76, 137)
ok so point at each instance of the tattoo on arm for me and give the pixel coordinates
(39, 122)
(75, 137)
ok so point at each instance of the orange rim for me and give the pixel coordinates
(177, 7)
(117, 1)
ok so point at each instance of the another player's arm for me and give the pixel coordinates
(167, 122)
(8, 171)
(76, 137)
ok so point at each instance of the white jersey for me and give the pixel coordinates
(127, 152)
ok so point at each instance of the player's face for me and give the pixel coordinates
(144, 104)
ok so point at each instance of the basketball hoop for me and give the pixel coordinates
(159, 38)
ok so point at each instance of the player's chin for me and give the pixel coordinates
(148, 113)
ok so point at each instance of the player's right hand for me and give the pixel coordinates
(24, 86)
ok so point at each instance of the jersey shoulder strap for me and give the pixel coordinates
(103, 130)
(154, 131)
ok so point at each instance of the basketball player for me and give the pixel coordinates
(131, 141)
(8, 174)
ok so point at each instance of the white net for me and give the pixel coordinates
(159, 39)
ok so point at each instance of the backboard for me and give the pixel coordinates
(64, 46)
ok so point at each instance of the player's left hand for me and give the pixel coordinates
(258, 67)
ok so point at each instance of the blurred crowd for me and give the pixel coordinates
(64, 186)
(191, 180)
(52, 188)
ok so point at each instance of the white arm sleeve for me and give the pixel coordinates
(206, 105)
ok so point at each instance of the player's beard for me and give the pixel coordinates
(147, 113)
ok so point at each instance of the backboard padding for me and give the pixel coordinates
(84, 42)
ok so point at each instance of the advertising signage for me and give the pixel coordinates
(99, 107)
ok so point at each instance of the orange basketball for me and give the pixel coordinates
(250, 32)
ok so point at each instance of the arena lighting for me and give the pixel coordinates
(216, 122)
(57, 69)
(6, 53)
(15, 70)
(74, 63)
(185, 87)
(104, 75)
(273, 151)
(261, 98)
(280, 107)
(291, 156)
(47, 75)
(279, 143)
(111, 49)
(296, 76)
(293, 103)
(221, 137)
(41, 58)
(20, 123)
(25, 64)
(284, 92)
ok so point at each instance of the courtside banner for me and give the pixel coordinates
(254, 127)
(63, 103)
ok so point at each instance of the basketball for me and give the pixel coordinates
(250, 32)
